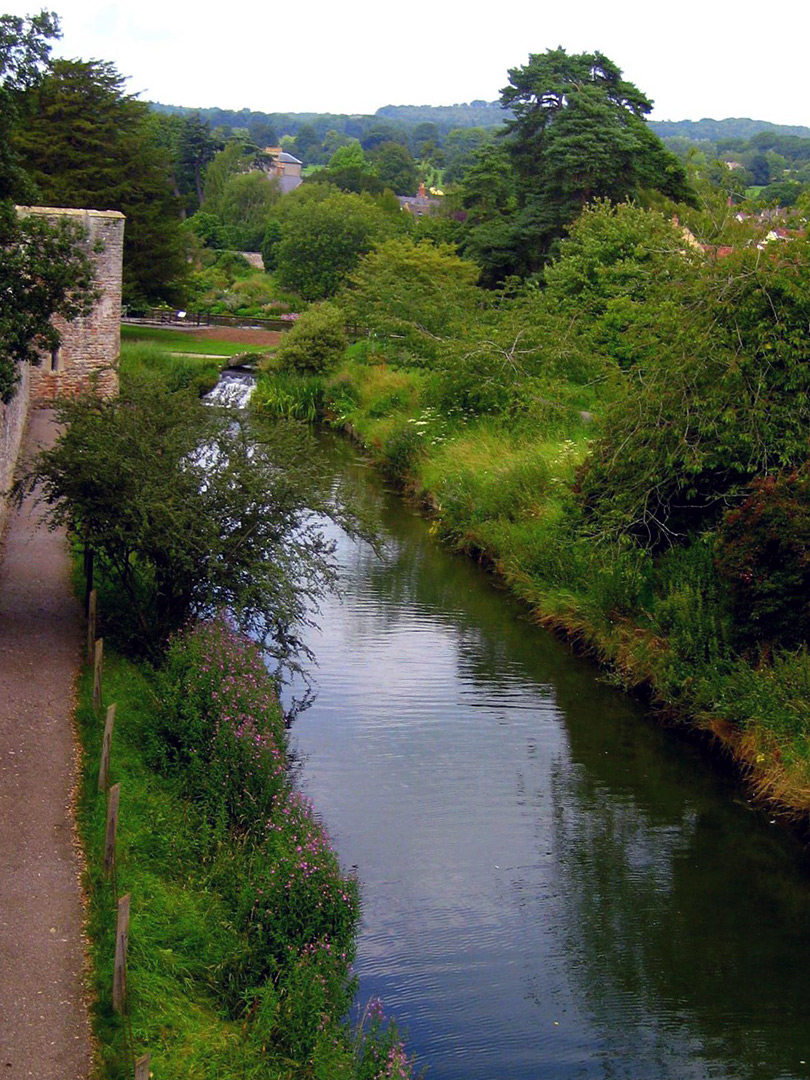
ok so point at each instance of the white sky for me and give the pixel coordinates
(695, 59)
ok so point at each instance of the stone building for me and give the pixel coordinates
(90, 344)
(285, 168)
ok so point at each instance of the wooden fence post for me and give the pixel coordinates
(88, 576)
(121, 940)
(98, 658)
(142, 1068)
(112, 826)
(106, 746)
(92, 609)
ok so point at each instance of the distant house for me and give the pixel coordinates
(285, 168)
(421, 203)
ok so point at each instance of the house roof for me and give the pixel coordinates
(288, 159)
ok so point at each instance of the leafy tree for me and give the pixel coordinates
(191, 147)
(614, 267)
(196, 150)
(411, 296)
(308, 145)
(272, 235)
(207, 228)
(86, 143)
(396, 168)
(350, 156)
(245, 205)
(237, 156)
(578, 134)
(187, 512)
(425, 139)
(262, 132)
(488, 199)
(760, 169)
(781, 193)
(324, 237)
(460, 148)
(382, 132)
(722, 396)
(350, 170)
(43, 268)
(24, 55)
(44, 271)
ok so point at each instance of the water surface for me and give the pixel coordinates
(554, 886)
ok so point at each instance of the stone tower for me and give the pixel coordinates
(90, 344)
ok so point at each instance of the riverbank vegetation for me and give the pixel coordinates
(588, 371)
(626, 444)
(242, 936)
(244, 924)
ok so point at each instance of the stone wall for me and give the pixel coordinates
(90, 345)
(13, 418)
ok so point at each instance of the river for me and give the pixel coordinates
(554, 885)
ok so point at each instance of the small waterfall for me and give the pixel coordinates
(233, 391)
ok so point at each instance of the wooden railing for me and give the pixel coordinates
(162, 317)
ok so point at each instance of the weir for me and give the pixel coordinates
(233, 391)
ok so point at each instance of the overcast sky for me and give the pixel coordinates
(699, 58)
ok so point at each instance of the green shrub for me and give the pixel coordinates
(763, 558)
(272, 235)
(400, 452)
(219, 728)
(688, 606)
(316, 342)
(233, 264)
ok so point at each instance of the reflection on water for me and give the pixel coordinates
(554, 886)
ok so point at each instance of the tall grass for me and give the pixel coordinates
(289, 396)
(178, 372)
(504, 489)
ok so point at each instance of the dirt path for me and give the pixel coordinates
(44, 1029)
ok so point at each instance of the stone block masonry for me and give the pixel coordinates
(90, 345)
(13, 418)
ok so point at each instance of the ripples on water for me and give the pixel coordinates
(554, 887)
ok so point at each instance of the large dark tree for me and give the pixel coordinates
(24, 52)
(43, 270)
(86, 143)
(578, 134)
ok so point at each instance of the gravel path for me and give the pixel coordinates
(44, 1028)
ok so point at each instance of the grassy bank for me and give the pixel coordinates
(503, 488)
(243, 924)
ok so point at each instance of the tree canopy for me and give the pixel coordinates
(324, 234)
(24, 54)
(189, 512)
(43, 269)
(578, 134)
(85, 143)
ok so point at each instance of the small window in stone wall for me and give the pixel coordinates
(56, 358)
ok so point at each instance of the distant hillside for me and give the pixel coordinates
(446, 117)
(402, 118)
(731, 128)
